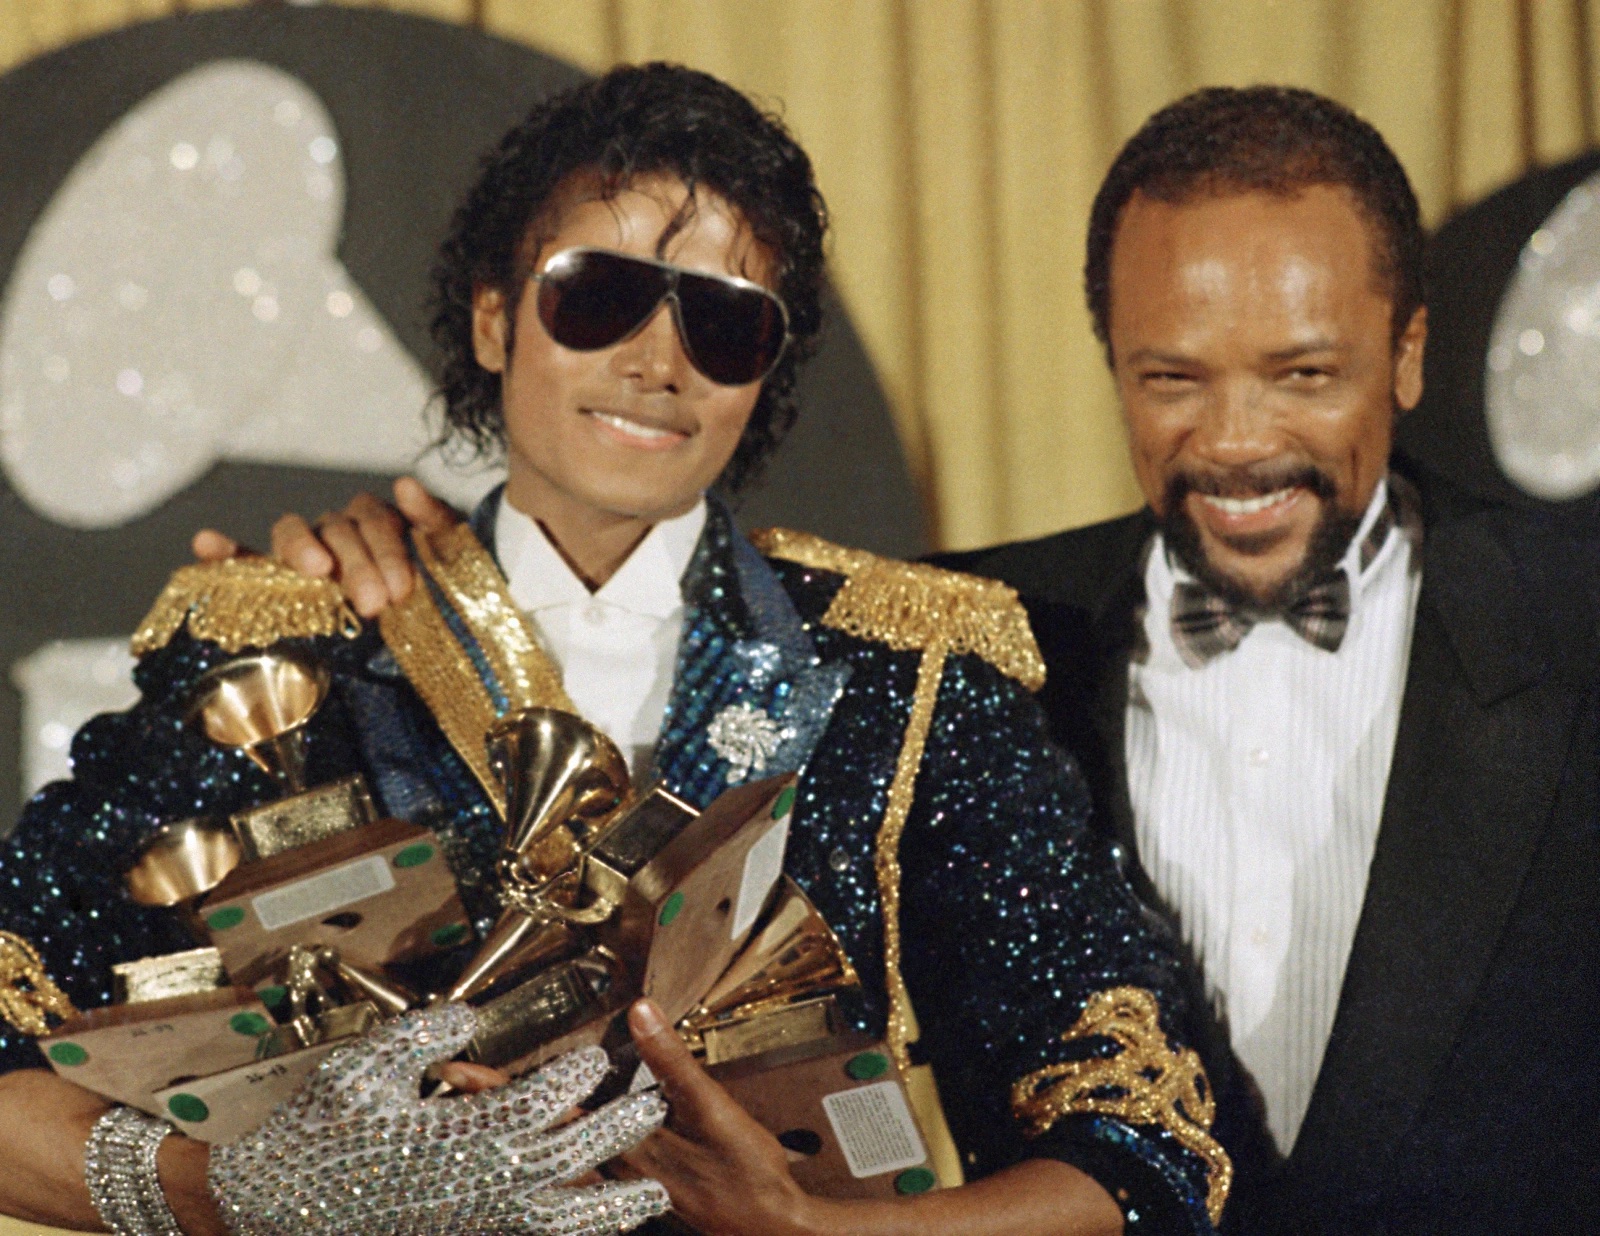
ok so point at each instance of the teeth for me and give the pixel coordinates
(1247, 506)
(644, 432)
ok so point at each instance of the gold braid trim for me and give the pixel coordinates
(907, 605)
(439, 667)
(1146, 1082)
(244, 603)
(902, 1027)
(26, 992)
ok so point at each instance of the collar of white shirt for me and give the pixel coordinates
(647, 584)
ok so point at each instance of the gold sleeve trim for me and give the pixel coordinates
(1146, 1082)
(439, 667)
(908, 605)
(27, 993)
(244, 603)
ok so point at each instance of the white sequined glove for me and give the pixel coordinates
(357, 1151)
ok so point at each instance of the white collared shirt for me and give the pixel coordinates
(1257, 783)
(616, 648)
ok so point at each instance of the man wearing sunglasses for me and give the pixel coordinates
(622, 305)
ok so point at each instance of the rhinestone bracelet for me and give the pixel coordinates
(119, 1166)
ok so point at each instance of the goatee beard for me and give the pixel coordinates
(1330, 539)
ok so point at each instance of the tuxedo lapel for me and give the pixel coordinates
(1116, 634)
(750, 696)
(1482, 739)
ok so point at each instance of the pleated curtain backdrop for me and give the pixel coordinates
(959, 143)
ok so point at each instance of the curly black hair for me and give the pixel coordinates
(1271, 139)
(635, 121)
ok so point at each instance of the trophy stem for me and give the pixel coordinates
(284, 756)
(518, 939)
(391, 998)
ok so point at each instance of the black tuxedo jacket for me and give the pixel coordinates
(1461, 1087)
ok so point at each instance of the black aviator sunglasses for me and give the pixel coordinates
(733, 331)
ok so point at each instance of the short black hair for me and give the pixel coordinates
(1271, 139)
(635, 121)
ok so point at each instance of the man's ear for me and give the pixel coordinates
(1408, 360)
(489, 327)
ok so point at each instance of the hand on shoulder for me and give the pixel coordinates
(362, 547)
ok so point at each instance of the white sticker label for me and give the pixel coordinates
(762, 867)
(324, 893)
(874, 1128)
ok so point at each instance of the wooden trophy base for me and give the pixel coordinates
(839, 1108)
(131, 1052)
(378, 893)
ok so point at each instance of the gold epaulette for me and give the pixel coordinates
(908, 605)
(244, 603)
(1146, 1082)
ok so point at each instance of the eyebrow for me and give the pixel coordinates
(1145, 355)
(1309, 348)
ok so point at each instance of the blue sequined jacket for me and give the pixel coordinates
(938, 829)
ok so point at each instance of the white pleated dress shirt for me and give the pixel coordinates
(617, 647)
(1257, 783)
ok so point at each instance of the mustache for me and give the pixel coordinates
(1252, 481)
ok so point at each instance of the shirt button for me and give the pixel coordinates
(839, 859)
(594, 614)
(1260, 937)
(1260, 756)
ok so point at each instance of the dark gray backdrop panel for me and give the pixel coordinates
(415, 102)
(1471, 260)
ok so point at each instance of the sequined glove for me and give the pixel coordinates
(356, 1150)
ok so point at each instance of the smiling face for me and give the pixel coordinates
(632, 433)
(1259, 376)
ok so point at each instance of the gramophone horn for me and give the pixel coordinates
(183, 861)
(562, 778)
(259, 705)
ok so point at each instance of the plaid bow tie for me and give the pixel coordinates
(1204, 625)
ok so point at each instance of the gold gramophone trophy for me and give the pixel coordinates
(183, 862)
(317, 866)
(563, 779)
(774, 1031)
(608, 895)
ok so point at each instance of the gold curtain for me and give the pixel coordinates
(959, 143)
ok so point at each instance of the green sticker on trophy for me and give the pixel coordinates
(188, 1107)
(223, 919)
(68, 1055)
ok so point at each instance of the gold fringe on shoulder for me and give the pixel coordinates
(908, 605)
(244, 603)
(27, 993)
(1146, 1082)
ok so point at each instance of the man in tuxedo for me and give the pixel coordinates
(1340, 723)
